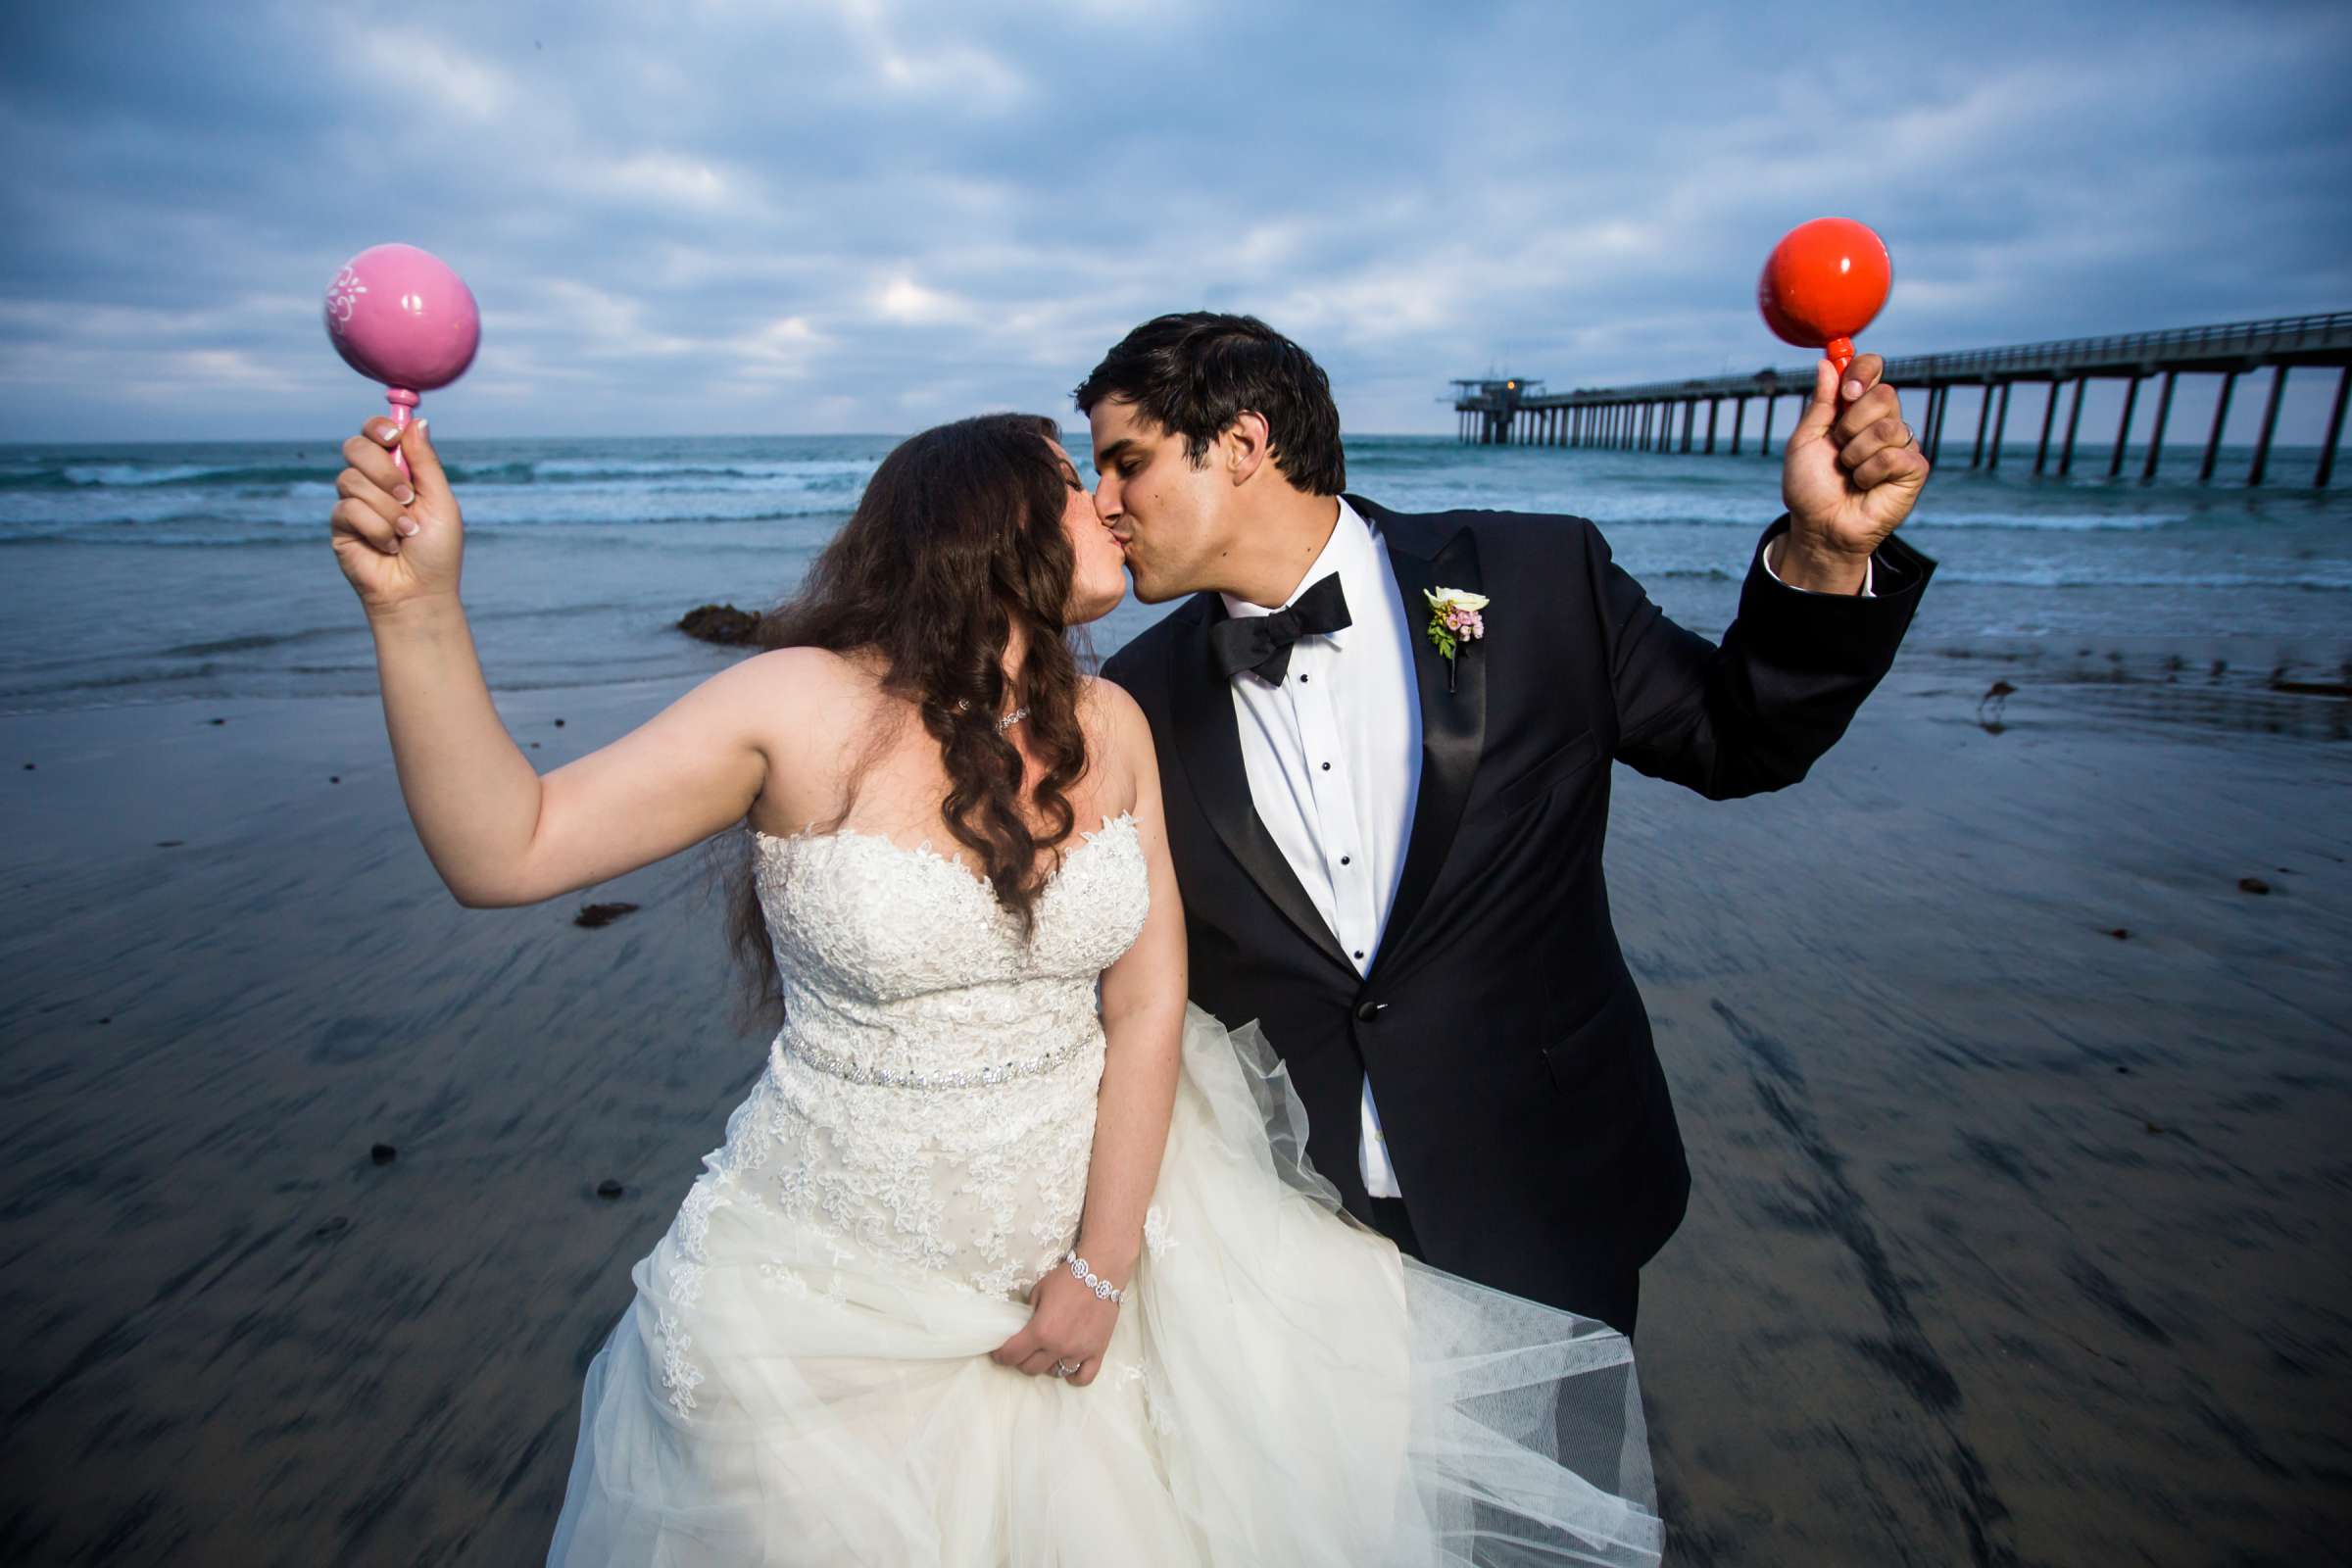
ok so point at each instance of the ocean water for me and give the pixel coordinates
(162, 573)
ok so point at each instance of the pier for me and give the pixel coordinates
(1664, 416)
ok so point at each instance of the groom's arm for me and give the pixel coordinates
(1753, 714)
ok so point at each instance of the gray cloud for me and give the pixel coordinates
(867, 216)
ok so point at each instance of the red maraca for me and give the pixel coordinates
(1824, 282)
(399, 316)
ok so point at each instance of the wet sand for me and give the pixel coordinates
(2011, 1239)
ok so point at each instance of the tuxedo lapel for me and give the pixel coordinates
(1211, 739)
(1453, 722)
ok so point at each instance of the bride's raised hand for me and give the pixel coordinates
(1069, 1326)
(397, 536)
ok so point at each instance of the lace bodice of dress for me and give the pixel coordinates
(931, 1095)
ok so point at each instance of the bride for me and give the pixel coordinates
(1010, 1256)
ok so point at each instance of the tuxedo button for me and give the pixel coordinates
(1365, 1009)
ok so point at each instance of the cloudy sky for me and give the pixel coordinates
(867, 216)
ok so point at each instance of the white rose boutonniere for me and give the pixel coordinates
(1455, 618)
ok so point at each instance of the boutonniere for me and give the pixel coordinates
(1454, 619)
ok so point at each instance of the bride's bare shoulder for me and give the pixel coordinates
(812, 714)
(809, 682)
(1115, 727)
(805, 703)
(1102, 701)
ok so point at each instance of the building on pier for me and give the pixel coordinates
(1490, 405)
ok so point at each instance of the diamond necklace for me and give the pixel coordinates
(1003, 724)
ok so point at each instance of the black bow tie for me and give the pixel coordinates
(1263, 642)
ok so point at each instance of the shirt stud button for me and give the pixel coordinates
(1326, 768)
(1344, 860)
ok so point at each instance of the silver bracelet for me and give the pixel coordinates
(1104, 1289)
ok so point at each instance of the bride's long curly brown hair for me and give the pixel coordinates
(957, 542)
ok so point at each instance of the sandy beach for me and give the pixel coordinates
(2017, 1232)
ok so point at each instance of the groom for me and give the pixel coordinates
(1393, 859)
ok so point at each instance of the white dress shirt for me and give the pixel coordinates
(1334, 761)
(1333, 756)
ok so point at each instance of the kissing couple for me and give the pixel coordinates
(1211, 1119)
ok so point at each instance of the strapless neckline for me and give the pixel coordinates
(925, 852)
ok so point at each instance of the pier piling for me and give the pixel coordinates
(2269, 422)
(2220, 416)
(2335, 429)
(2073, 422)
(2122, 428)
(2164, 412)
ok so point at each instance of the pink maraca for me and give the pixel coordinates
(399, 316)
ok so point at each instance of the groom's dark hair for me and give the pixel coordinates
(1194, 373)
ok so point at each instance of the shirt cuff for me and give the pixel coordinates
(1868, 569)
(1372, 1150)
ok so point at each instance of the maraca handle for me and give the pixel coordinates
(1840, 350)
(404, 402)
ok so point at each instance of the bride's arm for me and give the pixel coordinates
(1143, 1020)
(497, 831)
(502, 834)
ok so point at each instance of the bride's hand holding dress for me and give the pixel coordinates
(1068, 1330)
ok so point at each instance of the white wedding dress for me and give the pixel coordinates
(803, 1375)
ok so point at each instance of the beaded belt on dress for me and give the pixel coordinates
(834, 1064)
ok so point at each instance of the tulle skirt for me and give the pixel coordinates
(1282, 1387)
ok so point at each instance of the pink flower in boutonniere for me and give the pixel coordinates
(1455, 618)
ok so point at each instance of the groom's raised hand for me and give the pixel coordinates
(1851, 474)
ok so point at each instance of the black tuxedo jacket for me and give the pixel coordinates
(1525, 1112)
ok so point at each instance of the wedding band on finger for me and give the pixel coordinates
(1063, 1369)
